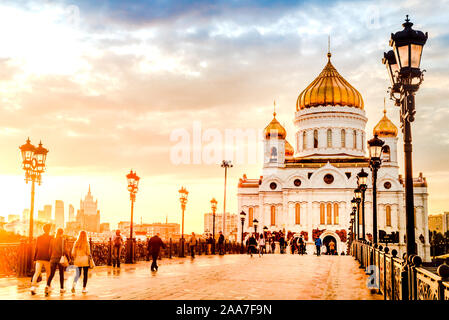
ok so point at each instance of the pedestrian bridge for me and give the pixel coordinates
(235, 277)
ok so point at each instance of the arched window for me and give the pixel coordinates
(388, 216)
(335, 213)
(343, 138)
(315, 139)
(386, 153)
(322, 214)
(298, 213)
(273, 215)
(329, 138)
(250, 217)
(329, 213)
(304, 140)
(355, 140)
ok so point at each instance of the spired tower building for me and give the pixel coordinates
(88, 216)
(309, 191)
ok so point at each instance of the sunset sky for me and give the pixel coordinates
(105, 83)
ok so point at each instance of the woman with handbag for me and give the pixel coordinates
(58, 259)
(82, 259)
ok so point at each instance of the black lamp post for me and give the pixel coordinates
(213, 204)
(133, 187)
(362, 178)
(183, 193)
(33, 162)
(242, 218)
(255, 224)
(403, 66)
(225, 164)
(353, 214)
(375, 152)
(358, 199)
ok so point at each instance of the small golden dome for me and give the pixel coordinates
(289, 151)
(329, 88)
(385, 128)
(275, 129)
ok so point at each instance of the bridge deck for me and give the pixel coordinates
(272, 276)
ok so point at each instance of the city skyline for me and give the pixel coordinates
(117, 101)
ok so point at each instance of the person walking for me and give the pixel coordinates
(42, 257)
(81, 256)
(209, 244)
(261, 244)
(300, 245)
(252, 244)
(331, 247)
(221, 240)
(318, 246)
(58, 259)
(193, 243)
(117, 245)
(154, 247)
(273, 245)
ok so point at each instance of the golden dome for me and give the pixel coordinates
(329, 88)
(275, 129)
(289, 151)
(385, 128)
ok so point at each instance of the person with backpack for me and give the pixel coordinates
(117, 245)
(42, 257)
(252, 244)
(58, 259)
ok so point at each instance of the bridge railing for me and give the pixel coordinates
(16, 258)
(399, 279)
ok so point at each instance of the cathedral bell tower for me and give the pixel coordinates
(387, 131)
(276, 148)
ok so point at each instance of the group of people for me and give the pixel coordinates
(330, 248)
(211, 242)
(52, 253)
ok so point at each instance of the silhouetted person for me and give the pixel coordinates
(57, 251)
(252, 244)
(193, 243)
(221, 240)
(117, 245)
(42, 257)
(154, 247)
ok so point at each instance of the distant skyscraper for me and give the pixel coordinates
(47, 212)
(71, 213)
(13, 217)
(231, 223)
(41, 216)
(59, 214)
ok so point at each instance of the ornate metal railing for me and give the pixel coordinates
(399, 279)
(9, 253)
(16, 258)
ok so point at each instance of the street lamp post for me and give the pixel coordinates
(375, 152)
(33, 162)
(225, 164)
(255, 224)
(403, 66)
(362, 178)
(358, 199)
(183, 193)
(213, 204)
(242, 218)
(354, 215)
(133, 187)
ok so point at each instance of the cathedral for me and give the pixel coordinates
(308, 189)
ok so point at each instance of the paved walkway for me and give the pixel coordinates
(232, 277)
